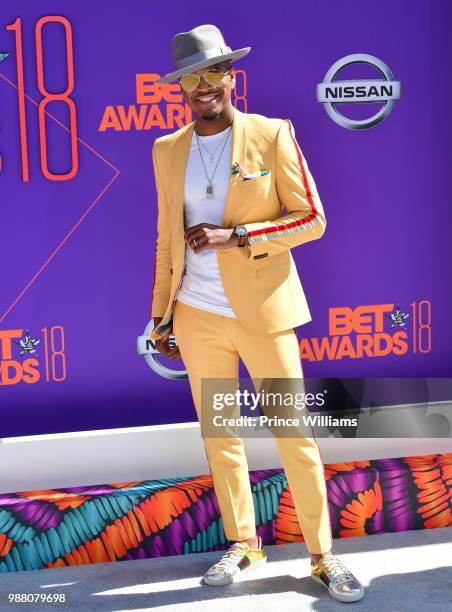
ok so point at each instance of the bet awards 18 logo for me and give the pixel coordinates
(372, 331)
(160, 105)
(24, 358)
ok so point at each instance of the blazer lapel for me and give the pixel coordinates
(238, 154)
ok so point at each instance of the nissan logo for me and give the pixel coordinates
(385, 90)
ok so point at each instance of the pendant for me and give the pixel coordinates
(209, 191)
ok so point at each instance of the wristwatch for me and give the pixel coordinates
(242, 233)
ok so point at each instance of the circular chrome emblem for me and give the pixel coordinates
(385, 90)
(146, 347)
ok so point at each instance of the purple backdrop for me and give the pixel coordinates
(79, 253)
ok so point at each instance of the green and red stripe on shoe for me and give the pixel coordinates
(239, 557)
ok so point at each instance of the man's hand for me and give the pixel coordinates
(209, 236)
(162, 344)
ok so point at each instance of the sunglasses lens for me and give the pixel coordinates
(214, 77)
(189, 82)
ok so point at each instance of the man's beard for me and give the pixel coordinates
(214, 116)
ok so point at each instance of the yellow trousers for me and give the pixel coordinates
(211, 345)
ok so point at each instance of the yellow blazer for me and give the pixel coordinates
(261, 280)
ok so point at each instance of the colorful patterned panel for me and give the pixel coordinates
(174, 516)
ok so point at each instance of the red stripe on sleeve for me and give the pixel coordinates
(313, 213)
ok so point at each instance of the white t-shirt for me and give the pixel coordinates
(201, 284)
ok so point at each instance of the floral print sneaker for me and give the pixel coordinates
(239, 557)
(340, 582)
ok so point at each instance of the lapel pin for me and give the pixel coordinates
(236, 168)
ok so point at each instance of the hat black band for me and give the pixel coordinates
(201, 56)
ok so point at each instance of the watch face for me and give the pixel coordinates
(240, 230)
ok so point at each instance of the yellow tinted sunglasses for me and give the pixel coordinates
(212, 76)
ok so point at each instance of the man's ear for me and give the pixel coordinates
(233, 78)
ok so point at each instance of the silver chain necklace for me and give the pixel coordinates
(210, 186)
(211, 155)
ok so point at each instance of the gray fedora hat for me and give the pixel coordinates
(199, 48)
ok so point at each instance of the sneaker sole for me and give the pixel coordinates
(344, 598)
(230, 579)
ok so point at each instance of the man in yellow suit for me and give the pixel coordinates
(226, 285)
